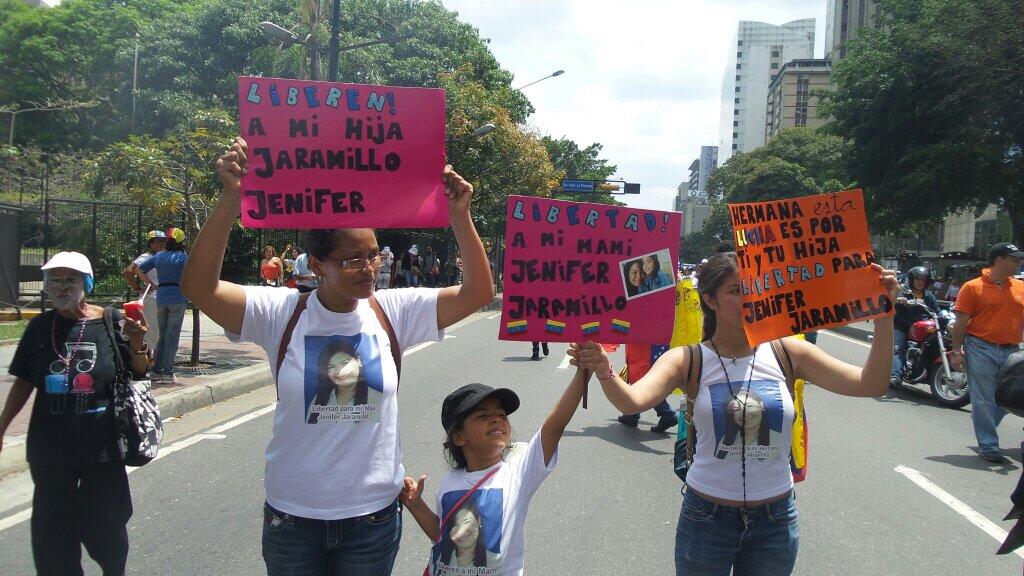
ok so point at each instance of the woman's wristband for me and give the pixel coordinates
(609, 374)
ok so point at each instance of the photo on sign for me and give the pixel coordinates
(647, 274)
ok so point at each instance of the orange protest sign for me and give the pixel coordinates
(805, 265)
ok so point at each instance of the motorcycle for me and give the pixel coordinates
(928, 359)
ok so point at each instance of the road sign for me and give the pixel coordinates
(577, 185)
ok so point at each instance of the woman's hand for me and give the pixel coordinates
(135, 331)
(458, 191)
(233, 164)
(888, 279)
(590, 356)
(412, 491)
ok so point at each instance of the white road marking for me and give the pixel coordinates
(565, 363)
(987, 526)
(416, 348)
(848, 339)
(15, 519)
(493, 316)
(242, 419)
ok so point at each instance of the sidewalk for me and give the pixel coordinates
(226, 370)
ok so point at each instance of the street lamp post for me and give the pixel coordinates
(287, 38)
(552, 75)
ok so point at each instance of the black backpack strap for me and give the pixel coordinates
(691, 386)
(286, 337)
(785, 363)
(119, 362)
(385, 322)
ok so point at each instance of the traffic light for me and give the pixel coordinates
(608, 187)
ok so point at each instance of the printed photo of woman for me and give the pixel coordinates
(341, 380)
(633, 275)
(463, 545)
(654, 277)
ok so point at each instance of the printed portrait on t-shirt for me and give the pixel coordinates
(747, 420)
(471, 540)
(342, 379)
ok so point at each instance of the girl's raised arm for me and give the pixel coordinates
(553, 428)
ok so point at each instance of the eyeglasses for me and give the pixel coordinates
(375, 260)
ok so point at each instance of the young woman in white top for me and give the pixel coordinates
(334, 462)
(739, 510)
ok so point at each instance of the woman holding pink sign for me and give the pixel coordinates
(334, 465)
(739, 510)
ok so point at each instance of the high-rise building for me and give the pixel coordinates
(682, 191)
(791, 100)
(708, 162)
(695, 209)
(758, 52)
(843, 19)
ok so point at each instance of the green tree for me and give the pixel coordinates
(934, 104)
(577, 163)
(171, 174)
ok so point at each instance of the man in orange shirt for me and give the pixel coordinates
(989, 327)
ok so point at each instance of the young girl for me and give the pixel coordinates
(484, 498)
(739, 510)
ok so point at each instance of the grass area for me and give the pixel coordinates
(12, 330)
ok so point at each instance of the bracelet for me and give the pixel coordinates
(611, 373)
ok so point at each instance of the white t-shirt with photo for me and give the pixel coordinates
(488, 527)
(336, 450)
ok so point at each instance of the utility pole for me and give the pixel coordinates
(333, 47)
(135, 79)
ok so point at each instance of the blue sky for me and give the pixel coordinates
(641, 77)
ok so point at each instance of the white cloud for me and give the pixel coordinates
(641, 77)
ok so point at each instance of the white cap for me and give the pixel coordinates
(73, 260)
(704, 261)
(415, 250)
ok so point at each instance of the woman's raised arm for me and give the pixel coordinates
(222, 301)
(477, 289)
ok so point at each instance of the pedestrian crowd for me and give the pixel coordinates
(334, 481)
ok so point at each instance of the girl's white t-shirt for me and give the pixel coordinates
(488, 527)
(717, 469)
(336, 449)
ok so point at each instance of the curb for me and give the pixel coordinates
(10, 341)
(178, 403)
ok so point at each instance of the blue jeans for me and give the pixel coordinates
(712, 540)
(983, 363)
(899, 356)
(169, 318)
(361, 546)
(411, 279)
(662, 409)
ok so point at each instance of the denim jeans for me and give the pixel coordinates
(899, 356)
(712, 540)
(983, 363)
(169, 318)
(662, 409)
(361, 546)
(411, 279)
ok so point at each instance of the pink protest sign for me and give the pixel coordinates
(330, 155)
(577, 271)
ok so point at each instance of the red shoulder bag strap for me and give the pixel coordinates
(392, 339)
(286, 337)
(458, 504)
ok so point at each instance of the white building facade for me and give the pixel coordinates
(757, 53)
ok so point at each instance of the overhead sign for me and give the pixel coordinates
(578, 271)
(578, 185)
(805, 265)
(330, 155)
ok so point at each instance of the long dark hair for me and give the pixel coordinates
(324, 360)
(657, 266)
(712, 275)
(479, 550)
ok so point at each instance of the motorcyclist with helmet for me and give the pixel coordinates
(918, 279)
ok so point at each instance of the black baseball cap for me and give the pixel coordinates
(1004, 249)
(461, 403)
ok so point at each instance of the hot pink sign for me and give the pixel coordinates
(577, 271)
(330, 155)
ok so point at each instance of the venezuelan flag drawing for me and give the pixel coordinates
(591, 328)
(620, 326)
(554, 327)
(516, 327)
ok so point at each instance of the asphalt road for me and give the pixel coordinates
(611, 506)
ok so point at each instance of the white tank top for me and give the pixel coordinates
(717, 469)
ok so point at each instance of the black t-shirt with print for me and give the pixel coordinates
(76, 427)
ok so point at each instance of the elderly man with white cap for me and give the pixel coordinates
(67, 356)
